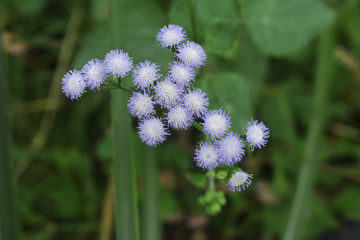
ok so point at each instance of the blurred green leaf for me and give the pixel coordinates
(232, 93)
(321, 219)
(198, 179)
(347, 203)
(251, 64)
(219, 24)
(104, 148)
(140, 21)
(96, 45)
(179, 14)
(282, 27)
(26, 7)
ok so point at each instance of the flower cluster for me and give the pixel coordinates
(181, 104)
(117, 63)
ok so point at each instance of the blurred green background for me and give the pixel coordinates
(293, 64)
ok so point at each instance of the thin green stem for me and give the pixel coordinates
(211, 174)
(198, 126)
(126, 89)
(308, 168)
(8, 222)
(126, 207)
(151, 219)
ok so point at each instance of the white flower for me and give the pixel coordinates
(239, 180)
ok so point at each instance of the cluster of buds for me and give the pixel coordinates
(174, 99)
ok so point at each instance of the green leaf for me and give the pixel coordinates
(283, 27)
(347, 202)
(219, 23)
(232, 94)
(179, 14)
(140, 21)
(25, 7)
(96, 45)
(198, 179)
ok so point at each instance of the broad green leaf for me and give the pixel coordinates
(283, 27)
(232, 94)
(179, 14)
(140, 21)
(219, 26)
(252, 64)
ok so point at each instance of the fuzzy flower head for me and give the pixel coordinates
(94, 73)
(171, 35)
(73, 84)
(152, 131)
(141, 105)
(216, 123)
(239, 180)
(181, 73)
(167, 93)
(196, 102)
(118, 63)
(257, 134)
(206, 155)
(179, 117)
(191, 54)
(145, 74)
(231, 149)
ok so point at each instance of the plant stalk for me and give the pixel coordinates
(8, 222)
(304, 188)
(126, 207)
(151, 223)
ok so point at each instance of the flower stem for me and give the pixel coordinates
(211, 174)
(308, 167)
(198, 126)
(151, 219)
(126, 207)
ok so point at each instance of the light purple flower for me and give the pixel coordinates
(239, 180)
(192, 54)
(181, 73)
(257, 134)
(152, 131)
(73, 84)
(196, 102)
(141, 105)
(231, 148)
(167, 93)
(118, 63)
(145, 74)
(94, 73)
(171, 35)
(216, 123)
(179, 117)
(206, 155)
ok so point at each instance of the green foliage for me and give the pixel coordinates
(212, 201)
(282, 27)
(347, 202)
(219, 19)
(198, 179)
(261, 64)
(231, 91)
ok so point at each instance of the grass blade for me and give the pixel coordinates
(309, 165)
(126, 209)
(8, 223)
